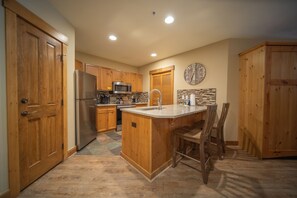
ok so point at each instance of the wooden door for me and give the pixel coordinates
(280, 136)
(162, 79)
(156, 81)
(40, 91)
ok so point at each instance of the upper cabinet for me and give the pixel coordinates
(79, 65)
(105, 77)
(94, 70)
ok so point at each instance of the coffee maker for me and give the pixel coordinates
(104, 99)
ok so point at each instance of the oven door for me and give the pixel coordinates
(119, 115)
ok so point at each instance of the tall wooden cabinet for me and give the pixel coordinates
(268, 100)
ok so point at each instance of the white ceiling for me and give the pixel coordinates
(197, 23)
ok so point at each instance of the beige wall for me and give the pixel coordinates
(44, 10)
(95, 60)
(3, 117)
(214, 57)
(222, 72)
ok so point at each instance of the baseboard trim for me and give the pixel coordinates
(5, 194)
(232, 143)
(71, 151)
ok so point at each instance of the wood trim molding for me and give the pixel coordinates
(12, 103)
(71, 151)
(65, 104)
(161, 70)
(13, 10)
(23, 12)
(5, 194)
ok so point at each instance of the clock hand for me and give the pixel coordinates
(192, 76)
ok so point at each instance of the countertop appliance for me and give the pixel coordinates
(119, 87)
(85, 108)
(119, 114)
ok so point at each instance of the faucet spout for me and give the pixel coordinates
(159, 99)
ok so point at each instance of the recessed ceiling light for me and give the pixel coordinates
(169, 19)
(112, 37)
(153, 54)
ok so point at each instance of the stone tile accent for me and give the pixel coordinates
(202, 96)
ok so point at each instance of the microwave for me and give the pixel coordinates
(119, 87)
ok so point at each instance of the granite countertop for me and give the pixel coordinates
(112, 104)
(102, 105)
(168, 111)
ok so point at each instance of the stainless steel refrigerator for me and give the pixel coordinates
(85, 108)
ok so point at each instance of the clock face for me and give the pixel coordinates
(194, 73)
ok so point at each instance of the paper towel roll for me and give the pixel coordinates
(192, 100)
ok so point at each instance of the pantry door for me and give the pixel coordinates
(39, 80)
(162, 79)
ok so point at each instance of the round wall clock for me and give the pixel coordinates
(194, 73)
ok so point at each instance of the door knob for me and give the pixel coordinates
(24, 100)
(24, 113)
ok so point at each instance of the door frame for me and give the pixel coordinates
(13, 10)
(163, 70)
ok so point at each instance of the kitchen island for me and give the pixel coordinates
(147, 135)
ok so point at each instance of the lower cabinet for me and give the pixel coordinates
(105, 118)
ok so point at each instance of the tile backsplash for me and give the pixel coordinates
(202, 96)
(115, 98)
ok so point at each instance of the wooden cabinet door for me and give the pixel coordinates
(117, 75)
(106, 78)
(40, 91)
(94, 70)
(111, 118)
(126, 77)
(79, 65)
(280, 136)
(139, 82)
(101, 119)
(133, 81)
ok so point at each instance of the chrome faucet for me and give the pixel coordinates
(159, 99)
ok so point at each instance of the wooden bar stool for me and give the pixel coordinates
(217, 131)
(196, 136)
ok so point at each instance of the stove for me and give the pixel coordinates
(119, 114)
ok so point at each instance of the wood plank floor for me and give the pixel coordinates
(238, 175)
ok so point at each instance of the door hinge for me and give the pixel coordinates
(62, 57)
(62, 146)
(62, 102)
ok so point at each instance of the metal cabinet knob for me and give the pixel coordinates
(24, 100)
(24, 113)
